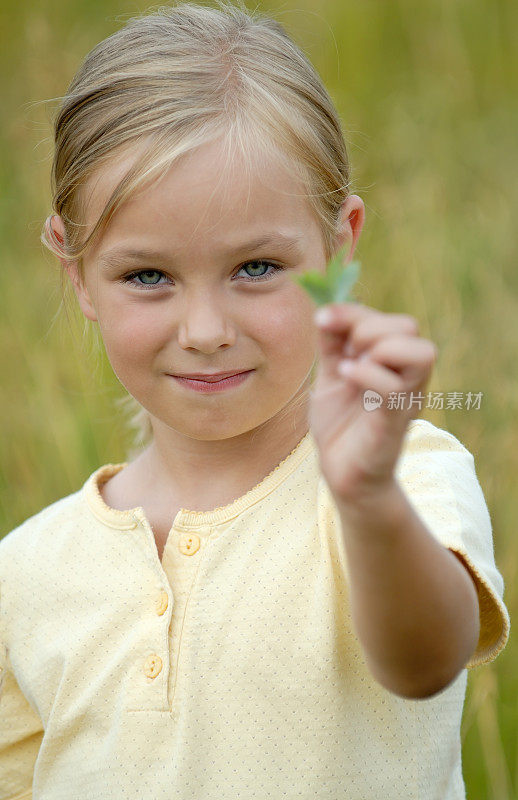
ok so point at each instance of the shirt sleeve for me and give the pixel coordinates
(438, 476)
(21, 733)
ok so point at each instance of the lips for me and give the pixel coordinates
(210, 378)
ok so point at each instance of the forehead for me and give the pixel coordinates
(203, 193)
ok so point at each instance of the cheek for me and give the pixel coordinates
(287, 332)
(130, 334)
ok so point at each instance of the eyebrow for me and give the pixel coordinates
(117, 257)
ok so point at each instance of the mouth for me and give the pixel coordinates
(213, 383)
(210, 378)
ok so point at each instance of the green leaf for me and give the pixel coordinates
(346, 282)
(316, 285)
(333, 286)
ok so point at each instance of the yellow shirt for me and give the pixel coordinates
(230, 669)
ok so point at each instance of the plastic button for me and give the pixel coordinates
(162, 603)
(152, 666)
(189, 544)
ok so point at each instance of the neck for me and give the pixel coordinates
(202, 474)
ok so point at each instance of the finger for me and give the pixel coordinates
(411, 357)
(337, 327)
(366, 374)
(377, 327)
(351, 328)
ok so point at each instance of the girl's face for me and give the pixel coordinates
(177, 287)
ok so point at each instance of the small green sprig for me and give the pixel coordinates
(333, 286)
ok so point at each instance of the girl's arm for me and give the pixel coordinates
(414, 604)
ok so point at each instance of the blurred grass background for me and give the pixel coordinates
(427, 93)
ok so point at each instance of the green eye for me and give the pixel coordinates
(335, 285)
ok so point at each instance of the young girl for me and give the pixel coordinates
(279, 596)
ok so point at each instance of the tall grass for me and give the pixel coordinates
(427, 94)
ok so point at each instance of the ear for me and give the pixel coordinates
(71, 267)
(353, 216)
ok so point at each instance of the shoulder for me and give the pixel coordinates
(434, 461)
(438, 475)
(421, 431)
(52, 535)
(427, 446)
(31, 551)
(28, 532)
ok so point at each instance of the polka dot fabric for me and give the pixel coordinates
(228, 669)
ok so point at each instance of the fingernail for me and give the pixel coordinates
(323, 316)
(345, 366)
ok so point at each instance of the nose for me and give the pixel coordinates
(206, 325)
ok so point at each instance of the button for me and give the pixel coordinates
(162, 603)
(189, 544)
(152, 666)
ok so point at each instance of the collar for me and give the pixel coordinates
(131, 517)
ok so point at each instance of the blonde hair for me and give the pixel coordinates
(173, 80)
